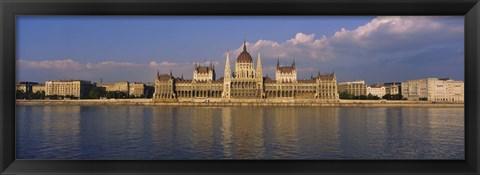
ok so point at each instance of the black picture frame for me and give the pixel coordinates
(9, 9)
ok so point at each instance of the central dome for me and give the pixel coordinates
(244, 57)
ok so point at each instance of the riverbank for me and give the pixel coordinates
(238, 102)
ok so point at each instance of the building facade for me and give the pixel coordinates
(246, 81)
(393, 88)
(75, 88)
(376, 90)
(121, 86)
(434, 89)
(356, 88)
(137, 89)
(26, 86)
(38, 88)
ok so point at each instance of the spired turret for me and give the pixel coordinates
(227, 73)
(259, 68)
(259, 77)
(226, 78)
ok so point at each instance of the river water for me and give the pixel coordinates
(158, 133)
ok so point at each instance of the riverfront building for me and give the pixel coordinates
(75, 88)
(26, 86)
(356, 88)
(121, 86)
(393, 88)
(133, 89)
(246, 81)
(434, 89)
(376, 90)
(38, 88)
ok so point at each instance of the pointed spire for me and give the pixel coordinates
(182, 76)
(227, 73)
(278, 62)
(294, 62)
(259, 67)
(171, 72)
(158, 73)
(244, 45)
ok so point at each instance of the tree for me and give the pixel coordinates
(20, 94)
(369, 96)
(362, 97)
(386, 97)
(39, 95)
(398, 96)
(346, 95)
(96, 93)
(393, 97)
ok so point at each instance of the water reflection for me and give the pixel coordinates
(153, 132)
(227, 132)
(47, 135)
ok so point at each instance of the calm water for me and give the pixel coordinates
(148, 132)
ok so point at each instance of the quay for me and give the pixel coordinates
(244, 102)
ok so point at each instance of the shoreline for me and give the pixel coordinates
(238, 102)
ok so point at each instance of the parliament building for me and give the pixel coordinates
(246, 82)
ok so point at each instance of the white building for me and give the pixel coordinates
(75, 88)
(376, 90)
(434, 89)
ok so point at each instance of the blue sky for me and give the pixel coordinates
(133, 48)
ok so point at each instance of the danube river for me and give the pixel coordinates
(157, 132)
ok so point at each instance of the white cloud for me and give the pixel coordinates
(301, 47)
(109, 70)
(66, 64)
(386, 37)
(112, 65)
(162, 64)
(301, 38)
(396, 33)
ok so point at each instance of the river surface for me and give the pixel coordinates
(158, 133)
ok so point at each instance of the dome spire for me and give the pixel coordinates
(244, 45)
(244, 57)
(278, 62)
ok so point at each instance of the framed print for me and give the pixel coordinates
(239, 87)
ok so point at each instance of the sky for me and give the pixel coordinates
(376, 49)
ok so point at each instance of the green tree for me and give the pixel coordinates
(96, 93)
(398, 96)
(362, 97)
(346, 95)
(369, 96)
(20, 94)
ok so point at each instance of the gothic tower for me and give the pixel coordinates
(259, 76)
(227, 78)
